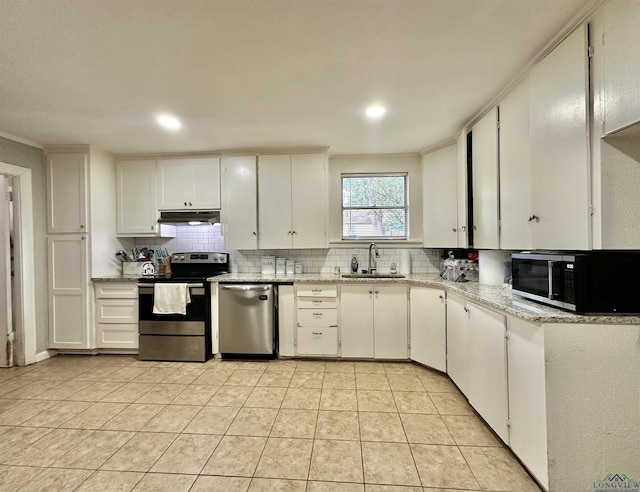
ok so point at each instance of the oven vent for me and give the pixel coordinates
(191, 217)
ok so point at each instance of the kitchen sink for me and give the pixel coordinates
(373, 275)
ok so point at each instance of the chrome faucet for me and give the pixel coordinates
(372, 259)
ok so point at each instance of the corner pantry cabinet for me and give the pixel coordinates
(292, 207)
(81, 241)
(189, 183)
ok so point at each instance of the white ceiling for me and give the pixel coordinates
(261, 73)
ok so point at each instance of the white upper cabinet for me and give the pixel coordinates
(621, 64)
(137, 202)
(515, 169)
(559, 147)
(291, 201)
(67, 192)
(485, 181)
(189, 183)
(440, 199)
(239, 202)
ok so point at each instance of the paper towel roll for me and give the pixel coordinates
(405, 262)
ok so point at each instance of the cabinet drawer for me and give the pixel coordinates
(317, 341)
(317, 317)
(116, 290)
(117, 311)
(316, 290)
(117, 336)
(317, 302)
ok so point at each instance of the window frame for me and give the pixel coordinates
(405, 176)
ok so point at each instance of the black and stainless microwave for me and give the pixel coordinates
(597, 282)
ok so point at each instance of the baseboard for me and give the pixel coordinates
(45, 354)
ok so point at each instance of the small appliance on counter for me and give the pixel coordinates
(590, 282)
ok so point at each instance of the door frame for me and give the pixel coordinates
(25, 312)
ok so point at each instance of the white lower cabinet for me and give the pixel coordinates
(527, 396)
(316, 320)
(428, 327)
(286, 321)
(477, 359)
(374, 321)
(116, 315)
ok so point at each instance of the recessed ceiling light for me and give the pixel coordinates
(375, 111)
(168, 122)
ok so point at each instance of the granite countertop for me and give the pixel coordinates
(495, 297)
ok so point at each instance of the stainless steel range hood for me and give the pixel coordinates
(191, 217)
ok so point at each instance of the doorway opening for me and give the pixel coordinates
(17, 277)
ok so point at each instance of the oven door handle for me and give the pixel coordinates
(246, 287)
(190, 286)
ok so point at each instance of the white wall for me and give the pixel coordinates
(410, 164)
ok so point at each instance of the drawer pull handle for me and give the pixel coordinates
(316, 303)
(315, 292)
(317, 315)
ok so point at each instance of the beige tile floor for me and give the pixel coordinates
(113, 423)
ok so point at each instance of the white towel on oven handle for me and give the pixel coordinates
(170, 298)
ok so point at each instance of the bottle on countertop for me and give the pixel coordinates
(393, 269)
(354, 264)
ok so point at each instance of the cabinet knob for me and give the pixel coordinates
(185, 204)
(533, 217)
(153, 228)
(455, 230)
(463, 228)
(190, 204)
(466, 309)
(377, 292)
(81, 226)
(288, 233)
(294, 232)
(254, 233)
(441, 297)
(370, 292)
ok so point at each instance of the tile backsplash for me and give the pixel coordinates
(208, 238)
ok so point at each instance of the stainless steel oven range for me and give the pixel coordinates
(174, 336)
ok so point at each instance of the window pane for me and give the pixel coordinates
(373, 191)
(374, 223)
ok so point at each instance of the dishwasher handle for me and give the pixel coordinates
(261, 288)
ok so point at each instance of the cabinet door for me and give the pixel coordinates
(488, 367)
(527, 396)
(428, 327)
(68, 324)
(173, 184)
(239, 196)
(274, 201)
(356, 321)
(308, 201)
(458, 342)
(137, 202)
(621, 64)
(559, 159)
(439, 199)
(515, 169)
(485, 181)
(286, 321)
(67, 193)
(390, 322)
(205, 183)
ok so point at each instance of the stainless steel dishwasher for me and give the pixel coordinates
(246, 321)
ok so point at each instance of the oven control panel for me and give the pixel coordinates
(199, 258)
